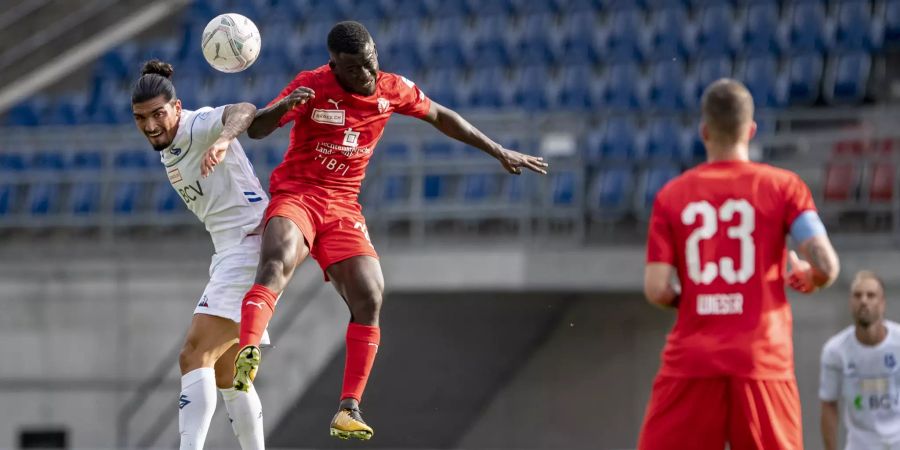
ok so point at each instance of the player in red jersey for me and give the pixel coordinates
(339, 112)
(727, 371)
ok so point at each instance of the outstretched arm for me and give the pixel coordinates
(658, 287)
(235, 120)
(266, 120)
(452, 124)
(818, 268)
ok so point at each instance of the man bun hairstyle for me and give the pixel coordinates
(348, 37)
(155, 80)
(727, 107)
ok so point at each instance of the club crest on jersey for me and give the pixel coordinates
(351, 138)
(889, 361)
(330, 116)
(174, 175)
(175, 151)
(383, 105)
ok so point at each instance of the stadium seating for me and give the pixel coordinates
(632, 68)
(847, 77)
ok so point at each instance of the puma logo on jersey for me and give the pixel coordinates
(334, 102)
(256, 304)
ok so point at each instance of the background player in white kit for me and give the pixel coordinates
(860, 371)
(208, 168)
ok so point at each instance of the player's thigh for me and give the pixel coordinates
(357, 277)
(685, 413)
(283, 243)
(208, 338)
(765, 414)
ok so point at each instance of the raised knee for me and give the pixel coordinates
(192, 358)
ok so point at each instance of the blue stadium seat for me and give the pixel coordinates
(666, 90)
(807, 27)
(44, 196)
(623, 90)
(563, 188)
(444, 86)
(854, 28)
(407, 9)
(651, 181)
(707, 71)
(489, 47)
(516, 190)
(667, 32)
(577, 89)
(395, 151)
(846, 78)
(484, 8)
(442, 8)
(67, 109)
(395, 189)
(441, 149)
(715, 32)
(663, 141)
(804, 78)
(165, 199)
(760, 74)
(693, 151)
(891, 36)
(128, 193)
(12, 164)
(760, 30)
(618, 142)
(446, 49)
(524, 7)
(623, 43)
(85, 195)
(403, 55)
(437, 187)
(366, 11)
(314, 54)
(322, 11)
(488, 88)
(579, 43)
(25, 114)
(610, 193)
(530, 91)
(479, 187)
(535, 44)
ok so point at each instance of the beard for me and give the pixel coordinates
(160, 147)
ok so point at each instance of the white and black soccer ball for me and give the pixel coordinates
(231, 43)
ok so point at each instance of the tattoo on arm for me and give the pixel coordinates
(238, 118)
(822, 258)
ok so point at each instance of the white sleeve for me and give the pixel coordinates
(831, 375)
(207, 125)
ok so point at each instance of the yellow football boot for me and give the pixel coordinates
(245, 365)
(348, 423)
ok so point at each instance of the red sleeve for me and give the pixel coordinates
(410, 100)
(797, 199)
(302, 79)
(660, 239)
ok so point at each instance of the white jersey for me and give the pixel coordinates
(231, 201)
(866, 380)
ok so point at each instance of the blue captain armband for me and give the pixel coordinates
(806, 226)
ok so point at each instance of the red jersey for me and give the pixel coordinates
(335, 133)
(723, 225)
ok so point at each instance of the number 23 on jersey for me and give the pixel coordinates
(709, 218)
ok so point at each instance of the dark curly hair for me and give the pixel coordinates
(348, 37)
(155, 80)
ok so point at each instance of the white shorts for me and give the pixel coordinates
(231, 274)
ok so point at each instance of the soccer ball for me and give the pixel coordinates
(231, 43)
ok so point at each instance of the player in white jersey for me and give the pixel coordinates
(860, 372)
(208, 168)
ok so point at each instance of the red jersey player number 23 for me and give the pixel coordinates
(723, 227)
(335, 133)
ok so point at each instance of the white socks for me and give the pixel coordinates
(198, 403)
(196, 406)
(245, 412)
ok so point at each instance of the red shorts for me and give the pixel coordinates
(705, 413)
(334, 228)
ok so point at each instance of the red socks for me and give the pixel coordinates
(362, 345)
(256, 311)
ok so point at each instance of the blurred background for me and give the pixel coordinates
(513, 314)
